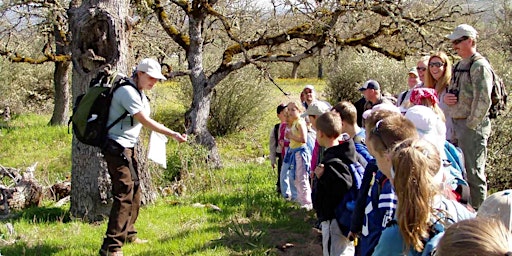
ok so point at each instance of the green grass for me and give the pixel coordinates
(253, 219)
(26, 139)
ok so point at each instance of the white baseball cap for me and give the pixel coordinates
(499, 206)
(316, 108)
(152, 68)
(463, 30)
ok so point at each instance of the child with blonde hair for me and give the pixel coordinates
(480, 236)
(422, 209)
(298, 157)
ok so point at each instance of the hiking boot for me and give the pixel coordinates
(136, 240)
(104, 252)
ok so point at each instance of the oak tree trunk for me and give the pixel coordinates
(99, 38)
(197, 116)
(61, 82)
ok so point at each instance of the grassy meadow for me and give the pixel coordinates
(252, 220)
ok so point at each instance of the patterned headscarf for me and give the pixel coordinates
(418, 94)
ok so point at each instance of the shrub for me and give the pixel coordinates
(26, 88)
(355, 67)
(238, 102)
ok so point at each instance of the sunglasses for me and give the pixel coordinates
(421, 68)
(436, 64)
(458, 41)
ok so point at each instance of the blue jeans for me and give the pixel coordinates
(287, 182)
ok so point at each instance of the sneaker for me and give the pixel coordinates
(308, 207)
(318, 225)
(136, 240)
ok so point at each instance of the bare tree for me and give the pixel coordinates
(393, 28)
(29, 20)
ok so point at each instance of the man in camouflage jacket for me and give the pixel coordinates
(469, 100)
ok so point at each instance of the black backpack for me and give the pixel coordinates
(91, 110)
(498, 93)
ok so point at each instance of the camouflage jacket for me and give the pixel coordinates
(474, 90)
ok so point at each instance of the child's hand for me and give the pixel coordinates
(319, 170)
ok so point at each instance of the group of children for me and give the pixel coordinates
(407, 194)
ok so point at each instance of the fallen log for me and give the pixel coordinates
(23, 190)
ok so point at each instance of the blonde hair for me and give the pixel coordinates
(329, 123)
(385, 128)
(479, 236)
(415, 162)
(443, 82)
(347, 111)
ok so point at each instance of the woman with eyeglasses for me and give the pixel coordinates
(422, 212)
(438, 77)
(421, 66)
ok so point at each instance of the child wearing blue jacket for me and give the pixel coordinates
(385, 129)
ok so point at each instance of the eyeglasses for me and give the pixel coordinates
(458, 41)
(421, 68)
(436, 64)
(376, 132)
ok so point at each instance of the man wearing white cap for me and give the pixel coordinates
(469, 100)
(131, 105)
(309, 95)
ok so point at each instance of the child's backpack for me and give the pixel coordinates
(430, 244)
(498, 93)
(91, 110)
(346, 207)
(455, 163)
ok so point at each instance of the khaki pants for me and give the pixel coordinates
(474, 146)
(126, 193)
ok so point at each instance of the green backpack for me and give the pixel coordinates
(91, 110)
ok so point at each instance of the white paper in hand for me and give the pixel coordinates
(157, 151)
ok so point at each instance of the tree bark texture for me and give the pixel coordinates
(197, 115)
(61, 79)
(99, 38)
(62, 95)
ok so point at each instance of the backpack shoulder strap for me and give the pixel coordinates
(404, 94)
(123, 81)
(380, 181)
(276, 134)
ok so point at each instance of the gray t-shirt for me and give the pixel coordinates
(127, 98)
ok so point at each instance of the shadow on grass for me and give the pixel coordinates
(260, 223)
(23, 249)
(41, 215)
